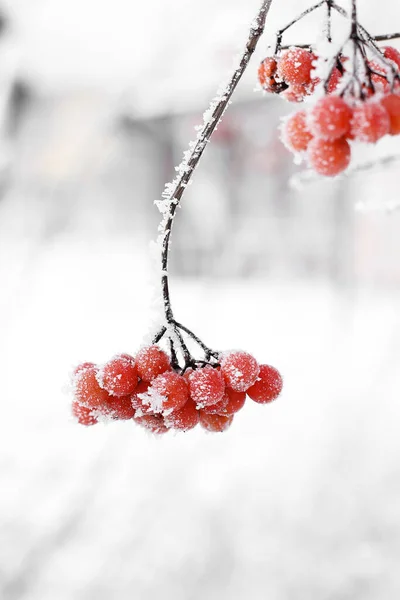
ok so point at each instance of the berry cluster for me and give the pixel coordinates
(346, 113)
(158, 397)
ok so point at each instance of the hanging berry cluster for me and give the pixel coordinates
(357, 101)
(148, 389)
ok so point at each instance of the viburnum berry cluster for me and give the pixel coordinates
(150, 389)
(356, 100)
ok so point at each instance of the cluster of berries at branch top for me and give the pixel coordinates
(147, 389)
(359, 105)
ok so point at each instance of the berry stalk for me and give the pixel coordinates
(174, 191)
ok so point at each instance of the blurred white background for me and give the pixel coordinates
(298, 500)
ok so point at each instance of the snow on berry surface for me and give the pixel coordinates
(300, 487)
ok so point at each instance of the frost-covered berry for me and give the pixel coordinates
(206, 386)
(120, 407)
(236, 401)
(82, 367)
(218, 407)
(153, 423)
(215, 423)
(151, 362)
(379, 78)
(392, 54)
(329, 158)
(295, 132)
(295, 93)
(391, 103)
(240, 370)
(268, 385)
(266, 72)
(119, 375)
(136, 400)
(168, 392)
(330, 118)
(370, 122)
(183, 419)
(295, 66)
(83, 414)
(87, 389)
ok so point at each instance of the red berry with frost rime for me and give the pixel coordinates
(266, 72)
(119, 375)
(151, 362)
(295, 133)
(183, 419)
(218, 407)
(268, 385)
(295, 66)
(215, 423)
(392, 54)
(379, 77)
(391, 103)
(136, 401)
(82, 367)
(87, 389)
(240, 370)
(120, 407)
(236, 401)
(370, 122)
(329, 158)
(206, 386)
(153, 423)
(295, 93)
(168, 392)
(330, 118)
(83, 414)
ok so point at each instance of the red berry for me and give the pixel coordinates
(295, 93)
(218, 407)
(151, 362)
(206, 386)
(268, 385)
(236, 401)
(168, 392)
(329, 158)
(266, 72)
(153, 423)
(82, 367)
(391, 103)
(87, 389)
(83, 414)
(392, 54)
(240, 370)
(185, 418)
(330, 118)
(379, 77)
(120, 407)
(295, 66)
(119, 375)
(215, 423)
(295, 133)
(136, 401)
(370, 122)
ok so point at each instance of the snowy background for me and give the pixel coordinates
(299, 500)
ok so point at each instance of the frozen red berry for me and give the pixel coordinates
(119, 375)
(83, 414)
(295, 132)
(82, 367)
(206, 386)
(215, 423)
(330, 118)
(266, 72)
(120, 407)
(240, 370)
(392, 54)
(378, 77)
(136, 399)
(370, 122)
(329, 158)
(151, 362)
(295, 93)
(391, 103)
(153, 423)
(268, 385)
(168, 392)
(236, 401)
(218, 407)
(184, 418)
(295, 66)
(87, 389)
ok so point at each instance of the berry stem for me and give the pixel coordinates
(173, 192)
